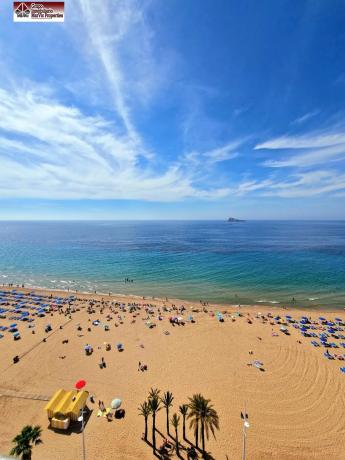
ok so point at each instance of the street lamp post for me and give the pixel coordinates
(244, 417)
(81, 419)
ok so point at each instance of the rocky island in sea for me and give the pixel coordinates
(232, 219)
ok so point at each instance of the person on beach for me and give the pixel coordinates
(101, 406)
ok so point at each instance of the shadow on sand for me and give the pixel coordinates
(75, 427)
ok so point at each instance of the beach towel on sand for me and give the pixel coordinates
(103, 414)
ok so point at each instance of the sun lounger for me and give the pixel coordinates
(328, 355)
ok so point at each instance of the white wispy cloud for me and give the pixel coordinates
(50, 150)
(315, 139)
(217, 155)
(227, 152)
(306, 184)
(307, 150)
(119, 44)
(310, 158)
(249, 186)
(305, 117)
(105, 38)
(310, 184)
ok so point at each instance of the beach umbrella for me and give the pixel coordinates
(321, 318)
(80, 384)
(338, 319)
(116, 403)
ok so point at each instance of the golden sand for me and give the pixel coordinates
(296, 406)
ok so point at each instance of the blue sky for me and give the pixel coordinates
(179, 109)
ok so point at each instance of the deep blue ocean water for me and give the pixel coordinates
(243, 262)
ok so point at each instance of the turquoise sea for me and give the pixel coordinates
(243, 262)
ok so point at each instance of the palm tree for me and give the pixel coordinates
(154, 403)
(209, 420)
(154, 392)
(167, 401)
(184, 411)
(175, 421)
(25, 440)
(194, 416)
(145, 411)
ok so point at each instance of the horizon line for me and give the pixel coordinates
(173, 220)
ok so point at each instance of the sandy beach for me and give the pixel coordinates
(295, 405)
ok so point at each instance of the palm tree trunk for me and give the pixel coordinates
(197, 434)
(167, 420)
(177, 451)
(145, 428)
(154, 431)
(184, 427)
(203, 438)
(27, 456)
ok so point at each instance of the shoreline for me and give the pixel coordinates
(87, 295)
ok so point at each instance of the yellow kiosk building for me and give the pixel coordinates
(65, 406)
